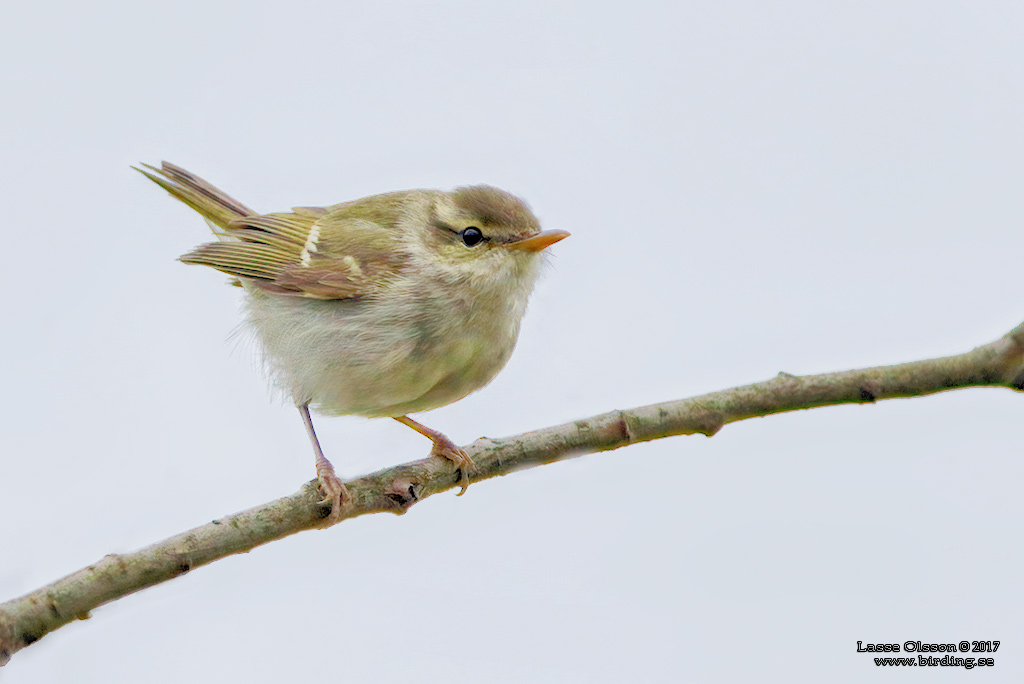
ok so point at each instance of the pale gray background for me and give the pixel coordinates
(751, 187)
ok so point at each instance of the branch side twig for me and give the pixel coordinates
(26, 619)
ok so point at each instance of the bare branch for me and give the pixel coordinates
(25, 620)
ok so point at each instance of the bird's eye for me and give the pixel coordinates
(472, 236)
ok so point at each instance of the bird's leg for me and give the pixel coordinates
(333, 488)
(445, 448)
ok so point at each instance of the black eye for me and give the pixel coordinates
(472, 236)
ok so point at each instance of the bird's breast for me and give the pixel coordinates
(408, 352)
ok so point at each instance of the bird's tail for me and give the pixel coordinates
(213, 204)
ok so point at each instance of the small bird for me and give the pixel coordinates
(378, 307)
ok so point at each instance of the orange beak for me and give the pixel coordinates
(540, 241)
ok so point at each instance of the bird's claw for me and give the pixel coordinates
(335, 495)
(445, 448)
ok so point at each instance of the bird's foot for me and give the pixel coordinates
(334, 490)
(446, 448)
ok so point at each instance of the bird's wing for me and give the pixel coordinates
(321, 253)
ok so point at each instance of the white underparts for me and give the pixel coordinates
(310, 246)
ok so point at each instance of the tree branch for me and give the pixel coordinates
(25, 620)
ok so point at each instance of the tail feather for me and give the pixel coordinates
(214, 204)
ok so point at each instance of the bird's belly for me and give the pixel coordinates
(407, 383)
(361, 358)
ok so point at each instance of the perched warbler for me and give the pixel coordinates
(378, 307)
